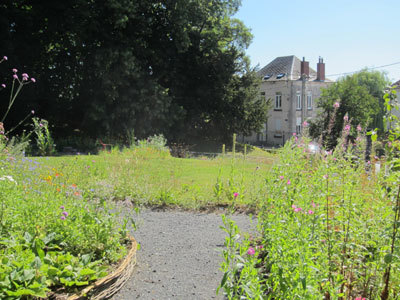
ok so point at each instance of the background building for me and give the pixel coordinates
(293, 88)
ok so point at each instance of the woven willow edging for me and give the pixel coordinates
(107, 286)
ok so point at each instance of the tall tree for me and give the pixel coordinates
(176, 67)
(357, 98)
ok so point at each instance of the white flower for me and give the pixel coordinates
(8, 177)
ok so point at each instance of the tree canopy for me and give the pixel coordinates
(359, 97)
(105, 68)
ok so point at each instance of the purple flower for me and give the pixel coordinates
(347, 127)
(62, 218)
(62, 207)
(3, 85)
(25, 75)
(15, 76)
(5, 57)
(251, 251)
(65, 213)
(15, 70)
(33, 80)
(40, 125)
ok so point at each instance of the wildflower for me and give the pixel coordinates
(5, 58)
(305, 124)
(15, 76)
(25, 77)
(359, 128)
(259, 247)
(310, 212)
(251, 251)
(297, 209)
(346, 118)
(347, 127)
(65, 213)
(281, 177)
(235, 195)
(326, 176)
(359, 298)
(313, 204)
(62, 207)
(336, 105)
(40, 125)
(294, 206)
(32, 112)
(294, 133)
(33, 80)
(8, 177)
(288, 182)
(3, 85)
(14, 70)
(62, 217)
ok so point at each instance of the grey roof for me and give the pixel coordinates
(288, 65)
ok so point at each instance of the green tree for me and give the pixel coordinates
(357, 96)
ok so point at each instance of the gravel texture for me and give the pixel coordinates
(180, 255)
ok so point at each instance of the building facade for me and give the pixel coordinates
(293, 89)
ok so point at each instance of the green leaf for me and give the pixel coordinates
(388, 258)
(37, 263)
(29, 274)
(85, 272)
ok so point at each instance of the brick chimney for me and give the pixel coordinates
(321, 70)
(305, 68)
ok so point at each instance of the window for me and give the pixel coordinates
(278, 101)
(298, 126)
(278, 124)
(309, 101)
(280, 75)
(298, 97)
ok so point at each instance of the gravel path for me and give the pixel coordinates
(179, 257)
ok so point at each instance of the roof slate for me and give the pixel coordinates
(290, 65)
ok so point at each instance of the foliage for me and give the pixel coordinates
(52, 234)
(328, 229)
(358, 96)
(44, 141)
(109, 67)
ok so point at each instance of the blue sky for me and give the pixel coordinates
(349, 35)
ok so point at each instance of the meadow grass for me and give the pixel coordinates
(148, 176)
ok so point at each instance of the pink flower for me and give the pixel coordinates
(310, 212)
(335, 159)
(25, 75)
(3, 85)
(15, 76)
(235, 195)
(40, 125)
(62, 207)
(325, 176)
(305, 124)
(313, 204)
(5, 57)
(359, 298)
(359, 128)
(15, 70)
(336, 105)
(281, 177)
(294, 206)
(33, 80)
(65, 213)
(259, 247)
(288, 182)
(347, 127)
(297, 209)
(62, 217)
(346, 118)
(294, 133)
(32, 112)
(251, 251)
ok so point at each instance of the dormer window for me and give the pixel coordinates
(280, 75)
(266, 77)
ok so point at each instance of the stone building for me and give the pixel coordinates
(293, 88)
